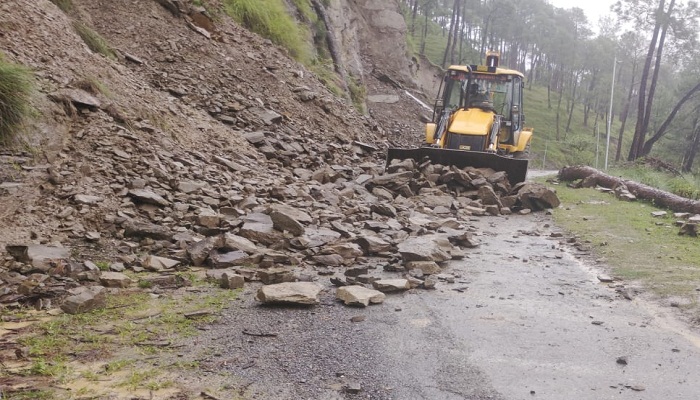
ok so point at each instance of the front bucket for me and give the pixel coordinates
(515, 168)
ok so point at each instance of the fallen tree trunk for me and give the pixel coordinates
(591, 177)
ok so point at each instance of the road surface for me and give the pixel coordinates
(526, 318)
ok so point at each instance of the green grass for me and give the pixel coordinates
(93, 85)
(94, 41)
(64, 5)
(16, 88)
(133, 324)
(634, 244)
(358, 94)
(269, 18)
(323, 69)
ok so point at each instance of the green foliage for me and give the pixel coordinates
(64, 5)
(270, 19)
(304, 7)
(144, 284)
(682, 187)
(94, 41)
(16, 87)
(358, 93)
(323, 69)
(685, 186)
(102, 265)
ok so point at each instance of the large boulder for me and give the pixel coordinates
(359, 296)
(302, 293)
(537, 197)
(425, 248)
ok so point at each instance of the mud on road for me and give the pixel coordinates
(525, 318)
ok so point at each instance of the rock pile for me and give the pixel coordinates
(217, 154)
(166, 210)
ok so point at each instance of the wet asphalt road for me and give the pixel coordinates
(525, 319)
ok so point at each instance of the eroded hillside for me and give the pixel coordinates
(171, 101)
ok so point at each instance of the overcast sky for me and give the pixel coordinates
(594, 9)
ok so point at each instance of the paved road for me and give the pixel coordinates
(525, 319)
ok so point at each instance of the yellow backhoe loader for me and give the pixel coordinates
(477, 121)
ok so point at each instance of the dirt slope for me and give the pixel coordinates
(171, 94)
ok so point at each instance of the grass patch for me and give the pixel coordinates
(94, 86)
(325, 73)
(16, 88)
(63, 5)
(358, 93)
(636, 245)
(132, 327)
(269, 18)
(94, 41)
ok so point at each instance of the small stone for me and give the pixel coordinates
(622, 360)
(353, 388)
(358, 318)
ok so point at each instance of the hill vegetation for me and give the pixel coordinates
(654, 106)
(16, 85)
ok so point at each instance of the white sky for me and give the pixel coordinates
(594, 9)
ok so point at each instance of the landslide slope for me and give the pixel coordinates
(172, 106)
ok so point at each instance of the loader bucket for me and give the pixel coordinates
(515, 168)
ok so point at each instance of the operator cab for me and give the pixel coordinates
(490, 89)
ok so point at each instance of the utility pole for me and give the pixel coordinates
(612, 92)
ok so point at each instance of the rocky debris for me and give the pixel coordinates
(361, 296)
(301, 293)
(83, 299)
(425, 248)
(114, 280)
(230, 280)
(231, 168)
(40, 257)
(426, 267)
(689, 229)
(391, 285)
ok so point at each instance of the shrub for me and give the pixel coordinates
(93, 40)
(358, 92)
(269, 18)
(682, 187)
(16, 86)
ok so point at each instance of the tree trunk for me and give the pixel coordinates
(625, 113)
(457, 29)
(592, 177)
(641, 103)
(573, 103)
(693, 150)
(449, 34)
(413, 17)
(424, 33)
(561, 94)
(654, 79)
(662, 129)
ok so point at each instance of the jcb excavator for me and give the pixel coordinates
(477, 121)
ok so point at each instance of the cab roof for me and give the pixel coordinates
(499, 71)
